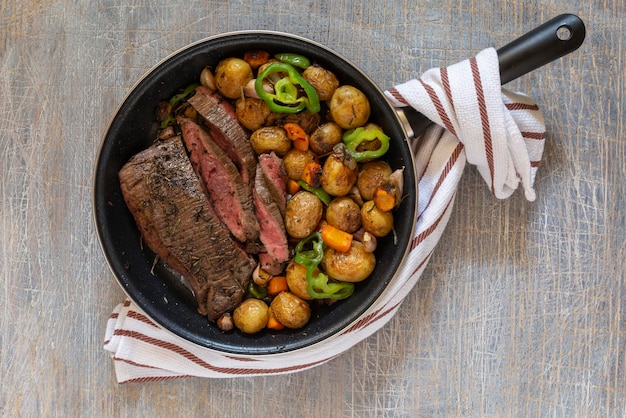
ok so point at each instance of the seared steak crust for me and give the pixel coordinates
(177, 222)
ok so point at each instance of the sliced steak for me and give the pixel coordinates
(231, 200)
(273, 234)
(273, 169)
(177, 222)
(225, 129)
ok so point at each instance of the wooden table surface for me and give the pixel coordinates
(520, 312)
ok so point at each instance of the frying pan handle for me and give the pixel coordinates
(557, 37)
(552, 40)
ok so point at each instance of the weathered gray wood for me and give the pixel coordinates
(520, 313)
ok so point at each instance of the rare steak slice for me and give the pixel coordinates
(273, 170)
(219, 116)
(231, 200)
(273, 235)
(177, 222)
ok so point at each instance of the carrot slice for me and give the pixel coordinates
(312, 174)
(335, 238)
(297, 135)
(384, 198)
(292, 186)
(256, 58)
(272, 322)
(277, 284)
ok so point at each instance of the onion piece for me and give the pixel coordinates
(368, 240)
(249, 89)
(207, 79)
(225, 322)
(260, 276)
(396, 179)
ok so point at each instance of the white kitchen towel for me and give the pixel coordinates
(500, 132)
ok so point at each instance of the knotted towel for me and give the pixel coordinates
(500, 132)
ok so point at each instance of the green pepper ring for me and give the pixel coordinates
(283, 100)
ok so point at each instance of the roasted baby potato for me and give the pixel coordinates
(270, 138)
(296, 280)
(303, 213)
(375, 221)
(290, 310)
(325, 137)
(254, 113)
(231, 76)
(306, 120)
(323, 81)
(354, 265)
(372, 175)
(251, 315)
(295, 161)
(349, 107)
(343, 213)
(339, 173)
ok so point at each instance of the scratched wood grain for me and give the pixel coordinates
(520, 312)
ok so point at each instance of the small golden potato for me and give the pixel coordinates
(295, 161)
(306, 120)
(254, 113)
(372, 174)
(349, 107)
(303, 213)
(323, 81)
(290, 310)
(339, 174)
(270, 138)
(344, 213)
(375, 221)
(325, 137)
(251, 316)
(296, 280)
(231, 76)
(353, 266)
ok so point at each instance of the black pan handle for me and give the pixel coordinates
(552, 40)
(557, 37)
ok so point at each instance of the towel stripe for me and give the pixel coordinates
(441, 111)
(484, 118)
(198, 361)
(521, 106)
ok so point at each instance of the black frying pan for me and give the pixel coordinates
(160, 294)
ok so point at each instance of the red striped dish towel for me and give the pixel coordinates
(500, 132)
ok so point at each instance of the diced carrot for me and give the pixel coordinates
(272, 322)
(384, 198)
(297, 135)
(256, 58)
(276, 285)
(301, 144)
(312, 174)
(292, 186)
(336, 238)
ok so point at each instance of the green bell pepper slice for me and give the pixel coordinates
(320, 193)
(285, 98)
(174, 102)
(294, 59)
(355, 137)
(257, 291)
